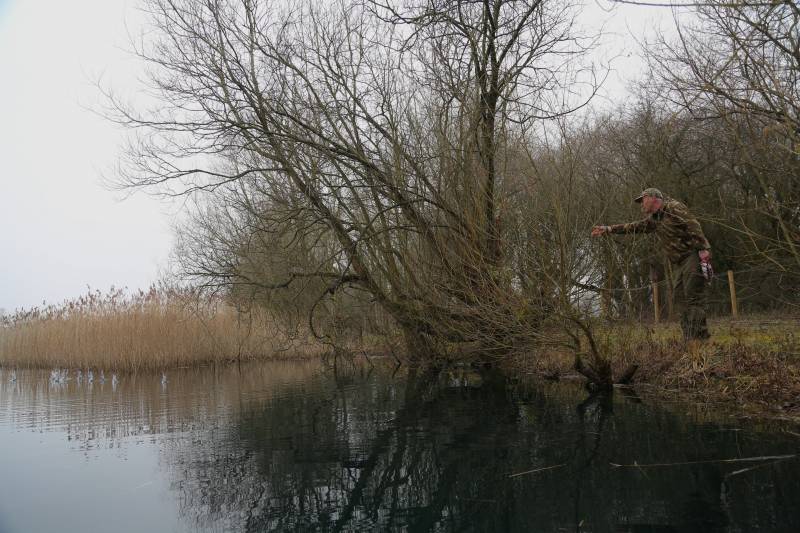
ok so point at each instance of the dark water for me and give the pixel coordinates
(298, 447)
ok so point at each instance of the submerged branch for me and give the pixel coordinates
(710, 461)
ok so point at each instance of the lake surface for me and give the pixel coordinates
(297, 446)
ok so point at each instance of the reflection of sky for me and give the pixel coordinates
(104, 490)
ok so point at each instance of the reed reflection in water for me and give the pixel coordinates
(294, 446)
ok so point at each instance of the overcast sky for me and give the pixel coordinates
(60, 228)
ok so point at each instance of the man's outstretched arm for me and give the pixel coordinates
(640, 226)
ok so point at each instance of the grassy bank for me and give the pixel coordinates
(152, 329)
(749, 364)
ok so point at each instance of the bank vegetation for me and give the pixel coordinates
(144, 330)
(431, 170)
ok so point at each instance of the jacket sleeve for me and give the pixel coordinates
(694, 232)
(647, 225)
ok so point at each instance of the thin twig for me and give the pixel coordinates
(537, 470)
(749, 468)
(743, 460)
(645, 3)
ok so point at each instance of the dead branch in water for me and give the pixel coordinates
(710, 461)
(536, 470)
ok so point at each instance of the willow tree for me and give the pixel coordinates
(373, 135)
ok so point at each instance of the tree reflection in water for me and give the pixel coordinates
(435, 452)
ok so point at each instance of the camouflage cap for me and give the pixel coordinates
(651, 191)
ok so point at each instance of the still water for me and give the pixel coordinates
(296, 446)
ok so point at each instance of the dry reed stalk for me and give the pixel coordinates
(155, 329)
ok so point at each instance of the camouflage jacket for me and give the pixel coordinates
(678, 232)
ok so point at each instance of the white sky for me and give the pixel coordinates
(60, 228)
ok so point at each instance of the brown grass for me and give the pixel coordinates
(158, 328)
(751, 364)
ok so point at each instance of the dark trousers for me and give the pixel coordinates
(689, 286)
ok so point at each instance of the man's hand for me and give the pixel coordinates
(600, 230)
(705, 265)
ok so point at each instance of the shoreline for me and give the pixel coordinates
(748, 367)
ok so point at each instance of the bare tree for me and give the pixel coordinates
(367, 138)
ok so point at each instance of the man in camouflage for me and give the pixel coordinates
(680, 236)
